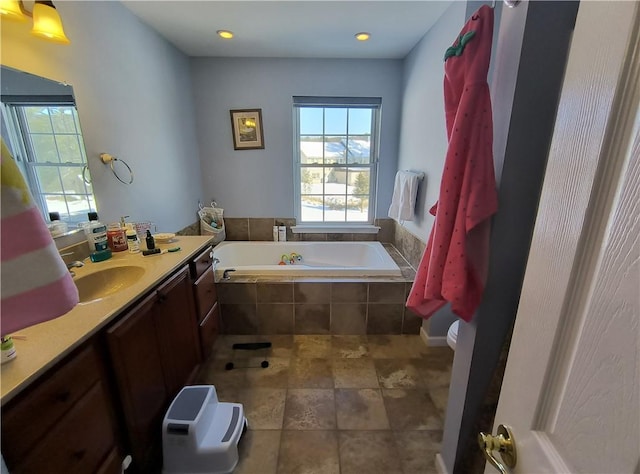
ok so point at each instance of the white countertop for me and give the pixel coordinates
(48, 342)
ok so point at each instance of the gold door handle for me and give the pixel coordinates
(504, 443)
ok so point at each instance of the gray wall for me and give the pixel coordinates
(133, 95)
(258, 183)
(423, 135)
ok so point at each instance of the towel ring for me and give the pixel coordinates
(85, 168)
(107, 158)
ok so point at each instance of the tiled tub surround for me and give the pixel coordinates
(407, 244)
(300, 306)
(261, 228)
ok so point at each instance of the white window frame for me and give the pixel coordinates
(371, 103)
(21, 144)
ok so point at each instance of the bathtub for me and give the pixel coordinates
(322, 259)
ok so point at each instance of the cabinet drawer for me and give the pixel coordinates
(80, 442)
(209, 328)
(201, 262)
(36, 411)
(205, 292)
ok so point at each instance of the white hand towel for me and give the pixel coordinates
(405, 191)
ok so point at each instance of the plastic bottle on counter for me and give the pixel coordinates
(275, 233)
(132, 241)
(7, 349)
(116, 237)
(96, 233)
(57, 227)
(282, 233)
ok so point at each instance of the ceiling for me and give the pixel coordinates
(300, 29)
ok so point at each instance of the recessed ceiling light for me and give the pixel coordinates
(226, 34)
(363, 36)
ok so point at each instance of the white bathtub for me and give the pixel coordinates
(339, 259)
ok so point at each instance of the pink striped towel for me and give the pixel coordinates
(35, 283)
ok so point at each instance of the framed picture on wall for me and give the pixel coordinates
(246, 125)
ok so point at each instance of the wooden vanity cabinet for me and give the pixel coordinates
(65, 421)
(155, 352)
(206, 298)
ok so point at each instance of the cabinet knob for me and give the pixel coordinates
(162, 298)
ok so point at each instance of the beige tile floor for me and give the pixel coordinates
(335, 404)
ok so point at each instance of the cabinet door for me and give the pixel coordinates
(177, 331)
(205, 293)
(209, 328)
(135, 354)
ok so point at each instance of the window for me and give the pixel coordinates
(47, 143)
(336, 159)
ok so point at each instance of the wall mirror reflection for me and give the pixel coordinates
(41, 128)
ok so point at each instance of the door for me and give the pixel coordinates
(571, 388)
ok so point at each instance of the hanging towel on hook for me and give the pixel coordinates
(405, 190)
(454, 264)
(35, 283)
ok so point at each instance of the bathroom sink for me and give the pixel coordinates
(107, 282)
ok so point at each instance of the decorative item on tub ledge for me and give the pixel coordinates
(107, 158)
(246, 126)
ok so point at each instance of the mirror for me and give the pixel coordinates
(40, 126)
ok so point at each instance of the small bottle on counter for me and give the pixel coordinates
(282, 233)
(57, 227)
(151, 243)
(7, 349)
(275, 233)
(132, 241)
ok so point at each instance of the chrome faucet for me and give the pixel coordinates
(225, 274)
(74, 264)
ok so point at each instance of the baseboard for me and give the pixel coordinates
(438, 341)
(440, 467)
(432, 341)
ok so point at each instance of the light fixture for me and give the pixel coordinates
(10, 9)
(226, 34)
(46, 20)
(362, 36)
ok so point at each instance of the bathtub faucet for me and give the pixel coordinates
(225, 274)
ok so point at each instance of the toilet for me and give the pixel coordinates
(452, 334)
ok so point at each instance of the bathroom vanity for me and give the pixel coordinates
(92, 386)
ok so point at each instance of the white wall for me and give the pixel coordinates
(132, 90)
(258, 183)
(423, 135)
